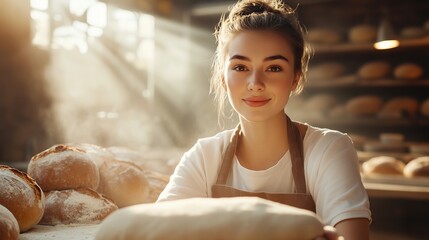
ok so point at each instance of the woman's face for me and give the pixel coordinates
(259, 74)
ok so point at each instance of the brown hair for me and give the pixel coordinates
(258, 15)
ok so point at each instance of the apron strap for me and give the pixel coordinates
(229, 155)
(296, 133)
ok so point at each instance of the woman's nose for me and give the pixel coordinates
(255, 83)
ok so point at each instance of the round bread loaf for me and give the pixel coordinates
(418, 167)
(64, 167)
(22, 196)
(76, 206)
(326, 71)
(412, 32)
(362, 34)
(324, 36)
(97, 153)
(241, 218)
(374, 70)
(424, 108)
(157, 183)
(9, 228)
(320, 102)
(123, 182)
(383, 165)
(367, 105)
(399, 107)
(408, 71)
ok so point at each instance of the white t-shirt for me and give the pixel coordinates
(331, 173)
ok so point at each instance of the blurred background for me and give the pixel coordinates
(135, 74)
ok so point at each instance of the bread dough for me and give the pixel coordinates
(237, 218)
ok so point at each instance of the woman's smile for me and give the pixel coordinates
(256, 101)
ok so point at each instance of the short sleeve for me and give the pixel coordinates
(338, 190)
(188, 179)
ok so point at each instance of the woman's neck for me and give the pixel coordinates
(262, 144)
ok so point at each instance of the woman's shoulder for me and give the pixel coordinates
(214, 143)
(318, 135)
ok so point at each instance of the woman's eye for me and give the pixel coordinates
(274, 69)
(239, 68)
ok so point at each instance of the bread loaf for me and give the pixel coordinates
(399, 107)
(408, 71)
(76, 206)
(367, 105)
(418, 167)
(64, 167)
(22, 196)
(424, 108)
(157, 183)
(383, 165)
(96, 153)
(362, 34)
(240, 218)
(374, 70)
(412, 32)
(324, 36)
(123, 182)
(326, 71)
(9, 228)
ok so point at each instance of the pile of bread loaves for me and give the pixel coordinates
(73, 184)
(387, 165)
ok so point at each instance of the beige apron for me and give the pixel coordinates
(300, 198)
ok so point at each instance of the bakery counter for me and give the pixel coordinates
(63, 232)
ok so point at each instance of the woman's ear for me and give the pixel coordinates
(223, 83)
(296, 80)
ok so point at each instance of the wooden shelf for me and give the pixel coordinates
(353, 47)
(397, 187)
(350, 82)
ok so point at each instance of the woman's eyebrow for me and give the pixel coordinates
(239, 57)
(275, 57)
(270, 58)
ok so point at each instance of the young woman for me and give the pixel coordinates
(261, 60)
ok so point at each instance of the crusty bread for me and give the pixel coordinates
(9, 228)
(362, 34)
(408, 71)
(424, 108)
(240, 218)
(374, 70)
(399, 107)
(324, 36)
(412, 32)
(383, 165)
(326, 71)
(367, 105)
(76, 206)
(418, 167)
(123, 182)
(22, 196)
(157, 183)
(63, 167)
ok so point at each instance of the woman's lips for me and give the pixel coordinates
(256, 101)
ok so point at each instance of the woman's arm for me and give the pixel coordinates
(354, 229)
